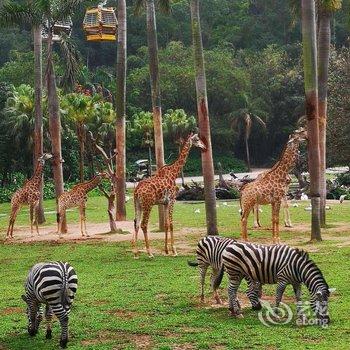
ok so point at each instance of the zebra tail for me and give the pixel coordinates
(64, 291)
(192, 263)
(218, 279)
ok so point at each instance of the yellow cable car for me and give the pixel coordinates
(59, 28)
(100, 24)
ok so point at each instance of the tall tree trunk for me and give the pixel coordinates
(80, 132)
(203, 121)
(38, 128)
(324, 41)
(120, 110)
(155, 91)
(247, 152)
(311, 99)
(54, 125)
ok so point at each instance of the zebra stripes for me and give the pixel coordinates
(209, 253)
(273, 264)
(53, 284)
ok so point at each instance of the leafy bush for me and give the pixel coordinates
(343, 179)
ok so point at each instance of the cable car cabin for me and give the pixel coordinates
(59, 28)
(100, 24)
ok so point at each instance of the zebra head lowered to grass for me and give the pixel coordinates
(53, 284)
(273, 264)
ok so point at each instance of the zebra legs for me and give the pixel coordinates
(300, 314)
(202, 271)
(281, 286)
(48, 317)
(254, 293)
(62, 315)
(215, 291)
(234, 305)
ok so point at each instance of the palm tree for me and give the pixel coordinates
(80, 109)
(311, 100)
(203, 120)
(121, 112)
(38, 13)
(177, 125)
(325, 9)
(19, 113)
(164, 5)
(38, 130)
(243, 121)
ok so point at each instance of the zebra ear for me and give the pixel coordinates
(24, 298)
(332, 290)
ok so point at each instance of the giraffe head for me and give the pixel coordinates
(197, 142)
(298, 135)
(44, 158)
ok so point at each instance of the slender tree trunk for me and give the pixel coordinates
(54, 125)
(247, 152)
(38, 128)
(155, 91)
(311, 99)
(80, 132)
(203, 121)
(324, 41)
(120, 110)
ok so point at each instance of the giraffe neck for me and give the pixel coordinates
(90, 185)
(37, 176)
(175, 168)
(287, 160)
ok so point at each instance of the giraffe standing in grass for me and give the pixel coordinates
(161, 189)
(29, 194)
(77, 197)
(270, 187)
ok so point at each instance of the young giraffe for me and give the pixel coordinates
(29, 194)
(160, 189)
(77, 197)
(239, 184)
(270, 188)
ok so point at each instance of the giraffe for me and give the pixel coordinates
(240, 183)
(270, 187)
(161, 189)
(29, 194)
(77, 197)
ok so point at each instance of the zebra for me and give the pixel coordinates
(273, 264)
(209, 253)
(53, 284)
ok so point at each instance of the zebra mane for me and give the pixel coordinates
(302, 253)
(305, 255)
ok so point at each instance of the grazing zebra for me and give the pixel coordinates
(209, 253)
(53, 284)
(275, 264)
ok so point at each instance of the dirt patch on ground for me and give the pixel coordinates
(11, 310)
(123, 313)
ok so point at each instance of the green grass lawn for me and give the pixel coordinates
(124, 303)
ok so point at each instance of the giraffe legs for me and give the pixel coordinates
(167, 226)
(275, 221)
(285, 205)
(244, 223)
(144, 223)
(256, 216)
(82, 221)
(14, 212)
(34, 217)
(137, 220)
(172, 243)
